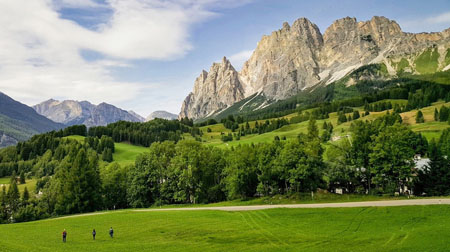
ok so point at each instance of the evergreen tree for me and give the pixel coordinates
(107, 155)
(419, 117)
(444, 114)
(3, 196)
(22, 177)
(3, 203)
(13, 177)
(356, 114)
(341, 118)
(435, 179)
(25, 195)
(13, 195)
(313, 131)
(81, 185)
(436, 115)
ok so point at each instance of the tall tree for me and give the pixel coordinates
(25, 195)
(22, 177)
(435, 178)
(392, 157)
(81, 186)
(419, 117)
(13, 195)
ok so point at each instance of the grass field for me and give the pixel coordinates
(124, 154)
(29, 183)
(409, 228)
(430, 129)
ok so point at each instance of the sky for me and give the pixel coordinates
(144, 55)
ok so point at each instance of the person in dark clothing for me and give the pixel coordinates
(64, 234)
(93, 234)
(111, 232)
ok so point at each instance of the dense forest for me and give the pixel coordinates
(145, 134)
(77, 176)
(377, 157)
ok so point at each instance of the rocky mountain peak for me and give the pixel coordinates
(213, 91)
(381, 29)
(298, 56)
(71, 112)
(162, 115)
(284, 55)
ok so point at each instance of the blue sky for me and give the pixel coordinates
(144, 55)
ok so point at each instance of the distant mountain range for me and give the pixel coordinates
(299, 57)
(70, 112)
(18, 122)
(162, 115)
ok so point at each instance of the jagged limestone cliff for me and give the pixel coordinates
(213, 91)
(299, 56)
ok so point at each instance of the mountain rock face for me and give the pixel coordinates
(213, 91)
(142, 119)
(6, 140)
(73, 112)
(300, 56)
(162, 115)
(285, 61)
(18, 122)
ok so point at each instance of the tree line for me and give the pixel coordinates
(73, 176)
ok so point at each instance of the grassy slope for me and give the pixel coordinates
(430, 128)
(427, 62)
(124, 154)
(412, 228)
(29, 183)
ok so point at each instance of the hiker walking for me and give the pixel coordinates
(64, 235)
(111, 232)
(93, 234)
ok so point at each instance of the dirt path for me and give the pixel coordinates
(386, 203)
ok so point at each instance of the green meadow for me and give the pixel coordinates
(29, 183)
(430, 129)
(124, 154)
(408, 228)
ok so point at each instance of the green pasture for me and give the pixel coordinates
(408, 228)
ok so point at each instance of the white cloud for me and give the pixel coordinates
(435, 23)
(238, 59)
(40, 51)
(77, 4)
(442, 18)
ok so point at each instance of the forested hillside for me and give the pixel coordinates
(19, 122)
(363, 144)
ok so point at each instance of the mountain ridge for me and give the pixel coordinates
(162, 115)
(297, 57)
(18, 122)
(70, 112)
